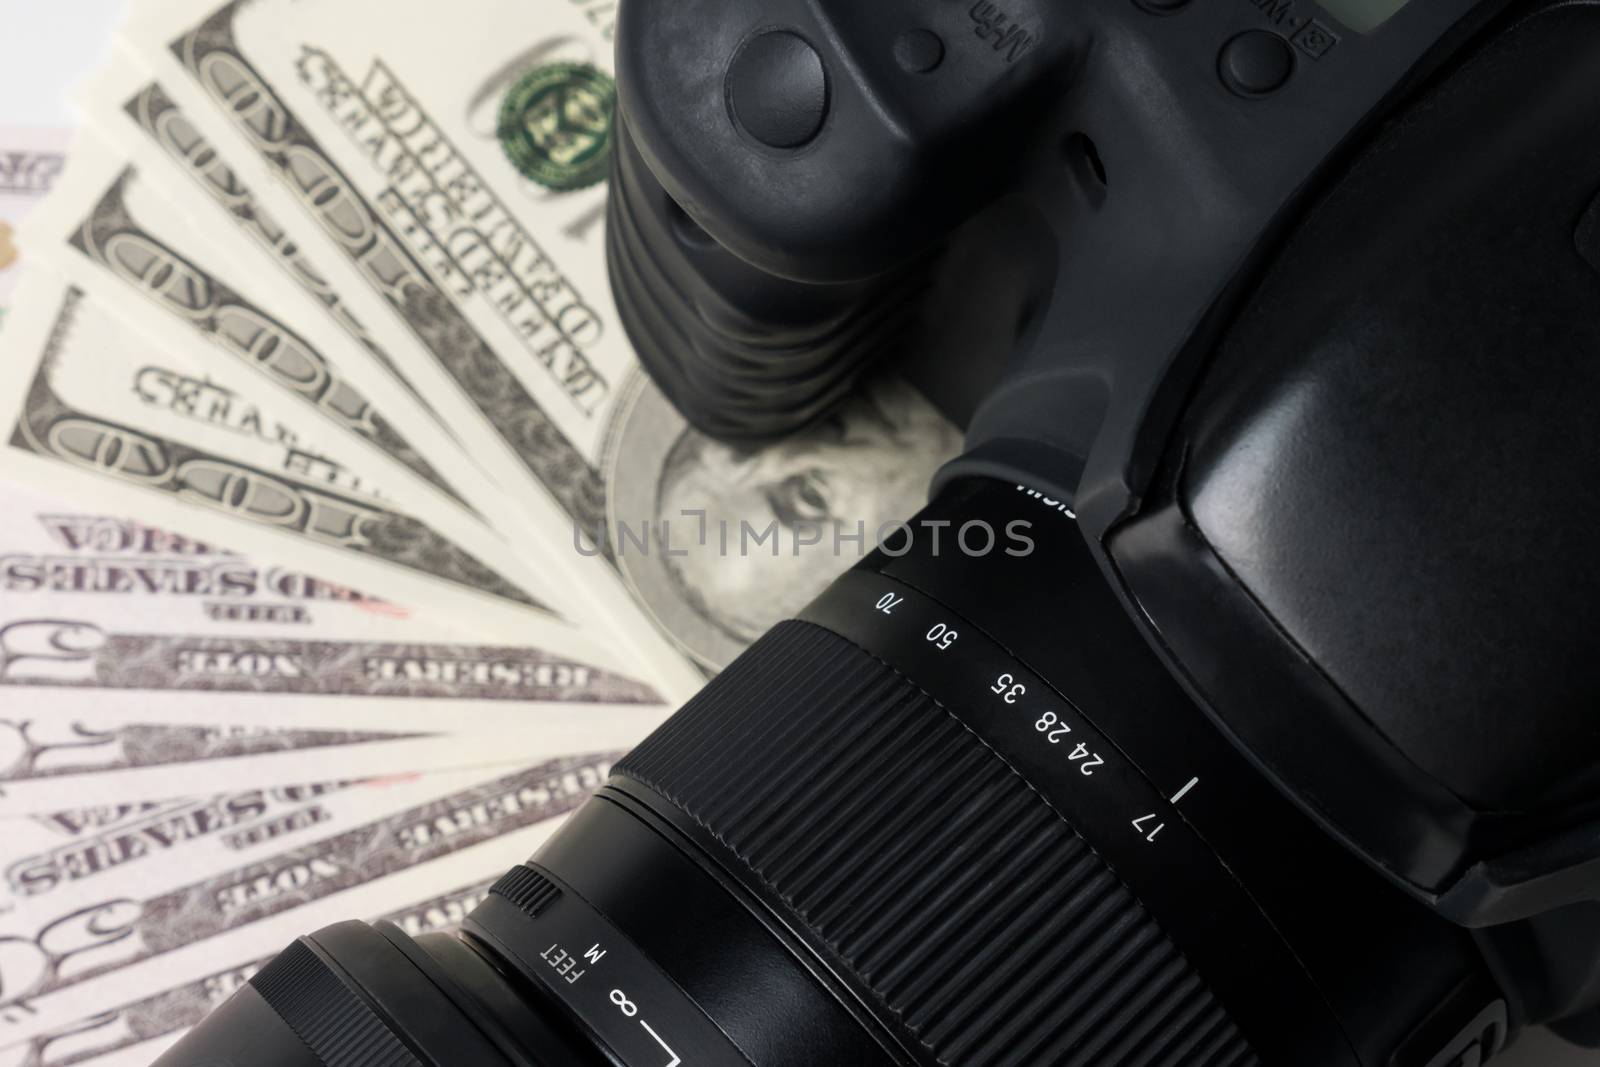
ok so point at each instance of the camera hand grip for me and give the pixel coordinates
(828, 142)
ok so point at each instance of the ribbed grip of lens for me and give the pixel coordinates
(978, 920)
(527, 889)
(334, 1022)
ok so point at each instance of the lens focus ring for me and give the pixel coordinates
(335, 1023)
(967, 908)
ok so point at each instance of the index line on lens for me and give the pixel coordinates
(676, 1059)
(1180, 794)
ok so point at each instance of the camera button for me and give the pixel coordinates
(1255, 63)
(918, 51)
(778, 89)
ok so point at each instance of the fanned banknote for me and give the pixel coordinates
(94, 603)
(134, 1033)
(105, 758)
(32, 751)
(130, 109)
(71, 392)
(131, 253)
(137, 664)
(75, 945)
(453, 181)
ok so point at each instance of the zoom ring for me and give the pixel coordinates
(975, 917)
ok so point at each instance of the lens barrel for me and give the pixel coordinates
(958, 813)
(354, 995)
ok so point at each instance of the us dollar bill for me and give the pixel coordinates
(33, 749)
(518, 369)
(97, 602)
(123, 104)
(147, 260)
(60, 953)
(459, 176)
(56, 558)
(133, 252)
(503, 373)
(96, 844)
(155, 135)
(65, 418)
(140, 1030)
(84, 654)
(144, 773)
(74, 746)
(80, 653)
(103, 761)
(185, 644)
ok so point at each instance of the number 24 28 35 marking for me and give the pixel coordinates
(1055, 731)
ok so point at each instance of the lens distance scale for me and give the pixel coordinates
(557, 940)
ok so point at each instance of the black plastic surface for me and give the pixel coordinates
(741, 353)
(918, 51)
(973, 915)
(1201, 182)
(470, 977)
(354, 995)
(1587, 235)
(1384, 493)
(1053, 609)
(1256, 62)
(904, 154)
(560, 943)
(696, 922)
(1200, 179)
(372, 969)
(1424, 418)
(778, 89)
(243, 1032)
(1162, 153)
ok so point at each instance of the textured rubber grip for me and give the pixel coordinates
(742, 354)
(337, 1026)
(981, 924)
(528, 890)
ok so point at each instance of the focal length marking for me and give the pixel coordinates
(1051, 724)
(1018, 713)
(1158, 849)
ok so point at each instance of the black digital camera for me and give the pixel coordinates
(1279, 321)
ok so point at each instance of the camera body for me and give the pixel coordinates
(1274, 323)
(1267, 296)
(1234, 455)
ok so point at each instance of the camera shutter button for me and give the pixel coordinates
(778, 89)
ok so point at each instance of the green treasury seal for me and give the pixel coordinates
(555, 125)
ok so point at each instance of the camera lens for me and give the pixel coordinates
(354, 995)
(957, 813)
